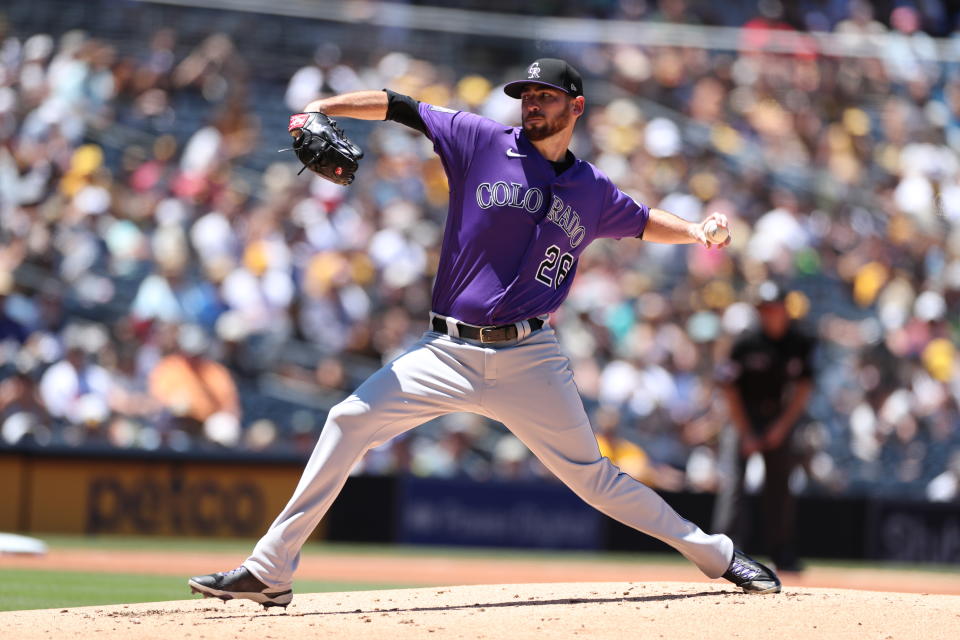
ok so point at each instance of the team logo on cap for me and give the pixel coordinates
(533, 71)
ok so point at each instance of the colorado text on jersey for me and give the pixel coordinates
(516, 195)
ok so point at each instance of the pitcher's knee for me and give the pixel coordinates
(595, 482)
(352, 417)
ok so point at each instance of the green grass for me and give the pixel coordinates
(39, 589)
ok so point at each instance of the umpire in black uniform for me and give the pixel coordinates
(767, 381)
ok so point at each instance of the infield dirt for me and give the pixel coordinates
(649, 610)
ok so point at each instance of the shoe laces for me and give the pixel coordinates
(744, 571)
(227, 574)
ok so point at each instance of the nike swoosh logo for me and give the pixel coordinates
(513, 154)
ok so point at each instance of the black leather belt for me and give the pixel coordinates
(499, 333)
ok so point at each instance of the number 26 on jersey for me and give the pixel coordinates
(554, 267)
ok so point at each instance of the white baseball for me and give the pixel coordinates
(715, 233)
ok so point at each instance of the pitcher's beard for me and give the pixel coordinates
(542, 129)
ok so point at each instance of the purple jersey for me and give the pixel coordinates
(515, 230)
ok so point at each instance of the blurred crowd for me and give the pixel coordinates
(155, 293)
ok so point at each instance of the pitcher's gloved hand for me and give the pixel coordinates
(323, 148)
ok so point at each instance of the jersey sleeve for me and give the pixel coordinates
(622, 216)
(455, 135)
(405, 110)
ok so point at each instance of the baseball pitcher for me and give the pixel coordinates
(522, 210)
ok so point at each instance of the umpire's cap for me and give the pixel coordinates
(551, 72)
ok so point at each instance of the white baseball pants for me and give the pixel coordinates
(527, 385)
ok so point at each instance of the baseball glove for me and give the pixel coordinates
(323, 148)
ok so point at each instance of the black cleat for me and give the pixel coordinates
(239, 583)
(750, 575)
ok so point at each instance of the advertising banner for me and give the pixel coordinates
(143, 497)
(11, 475)
(464, 512)
(915, 532)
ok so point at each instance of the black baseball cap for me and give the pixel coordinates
(551, 72)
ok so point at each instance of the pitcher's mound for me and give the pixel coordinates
(649, 610)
